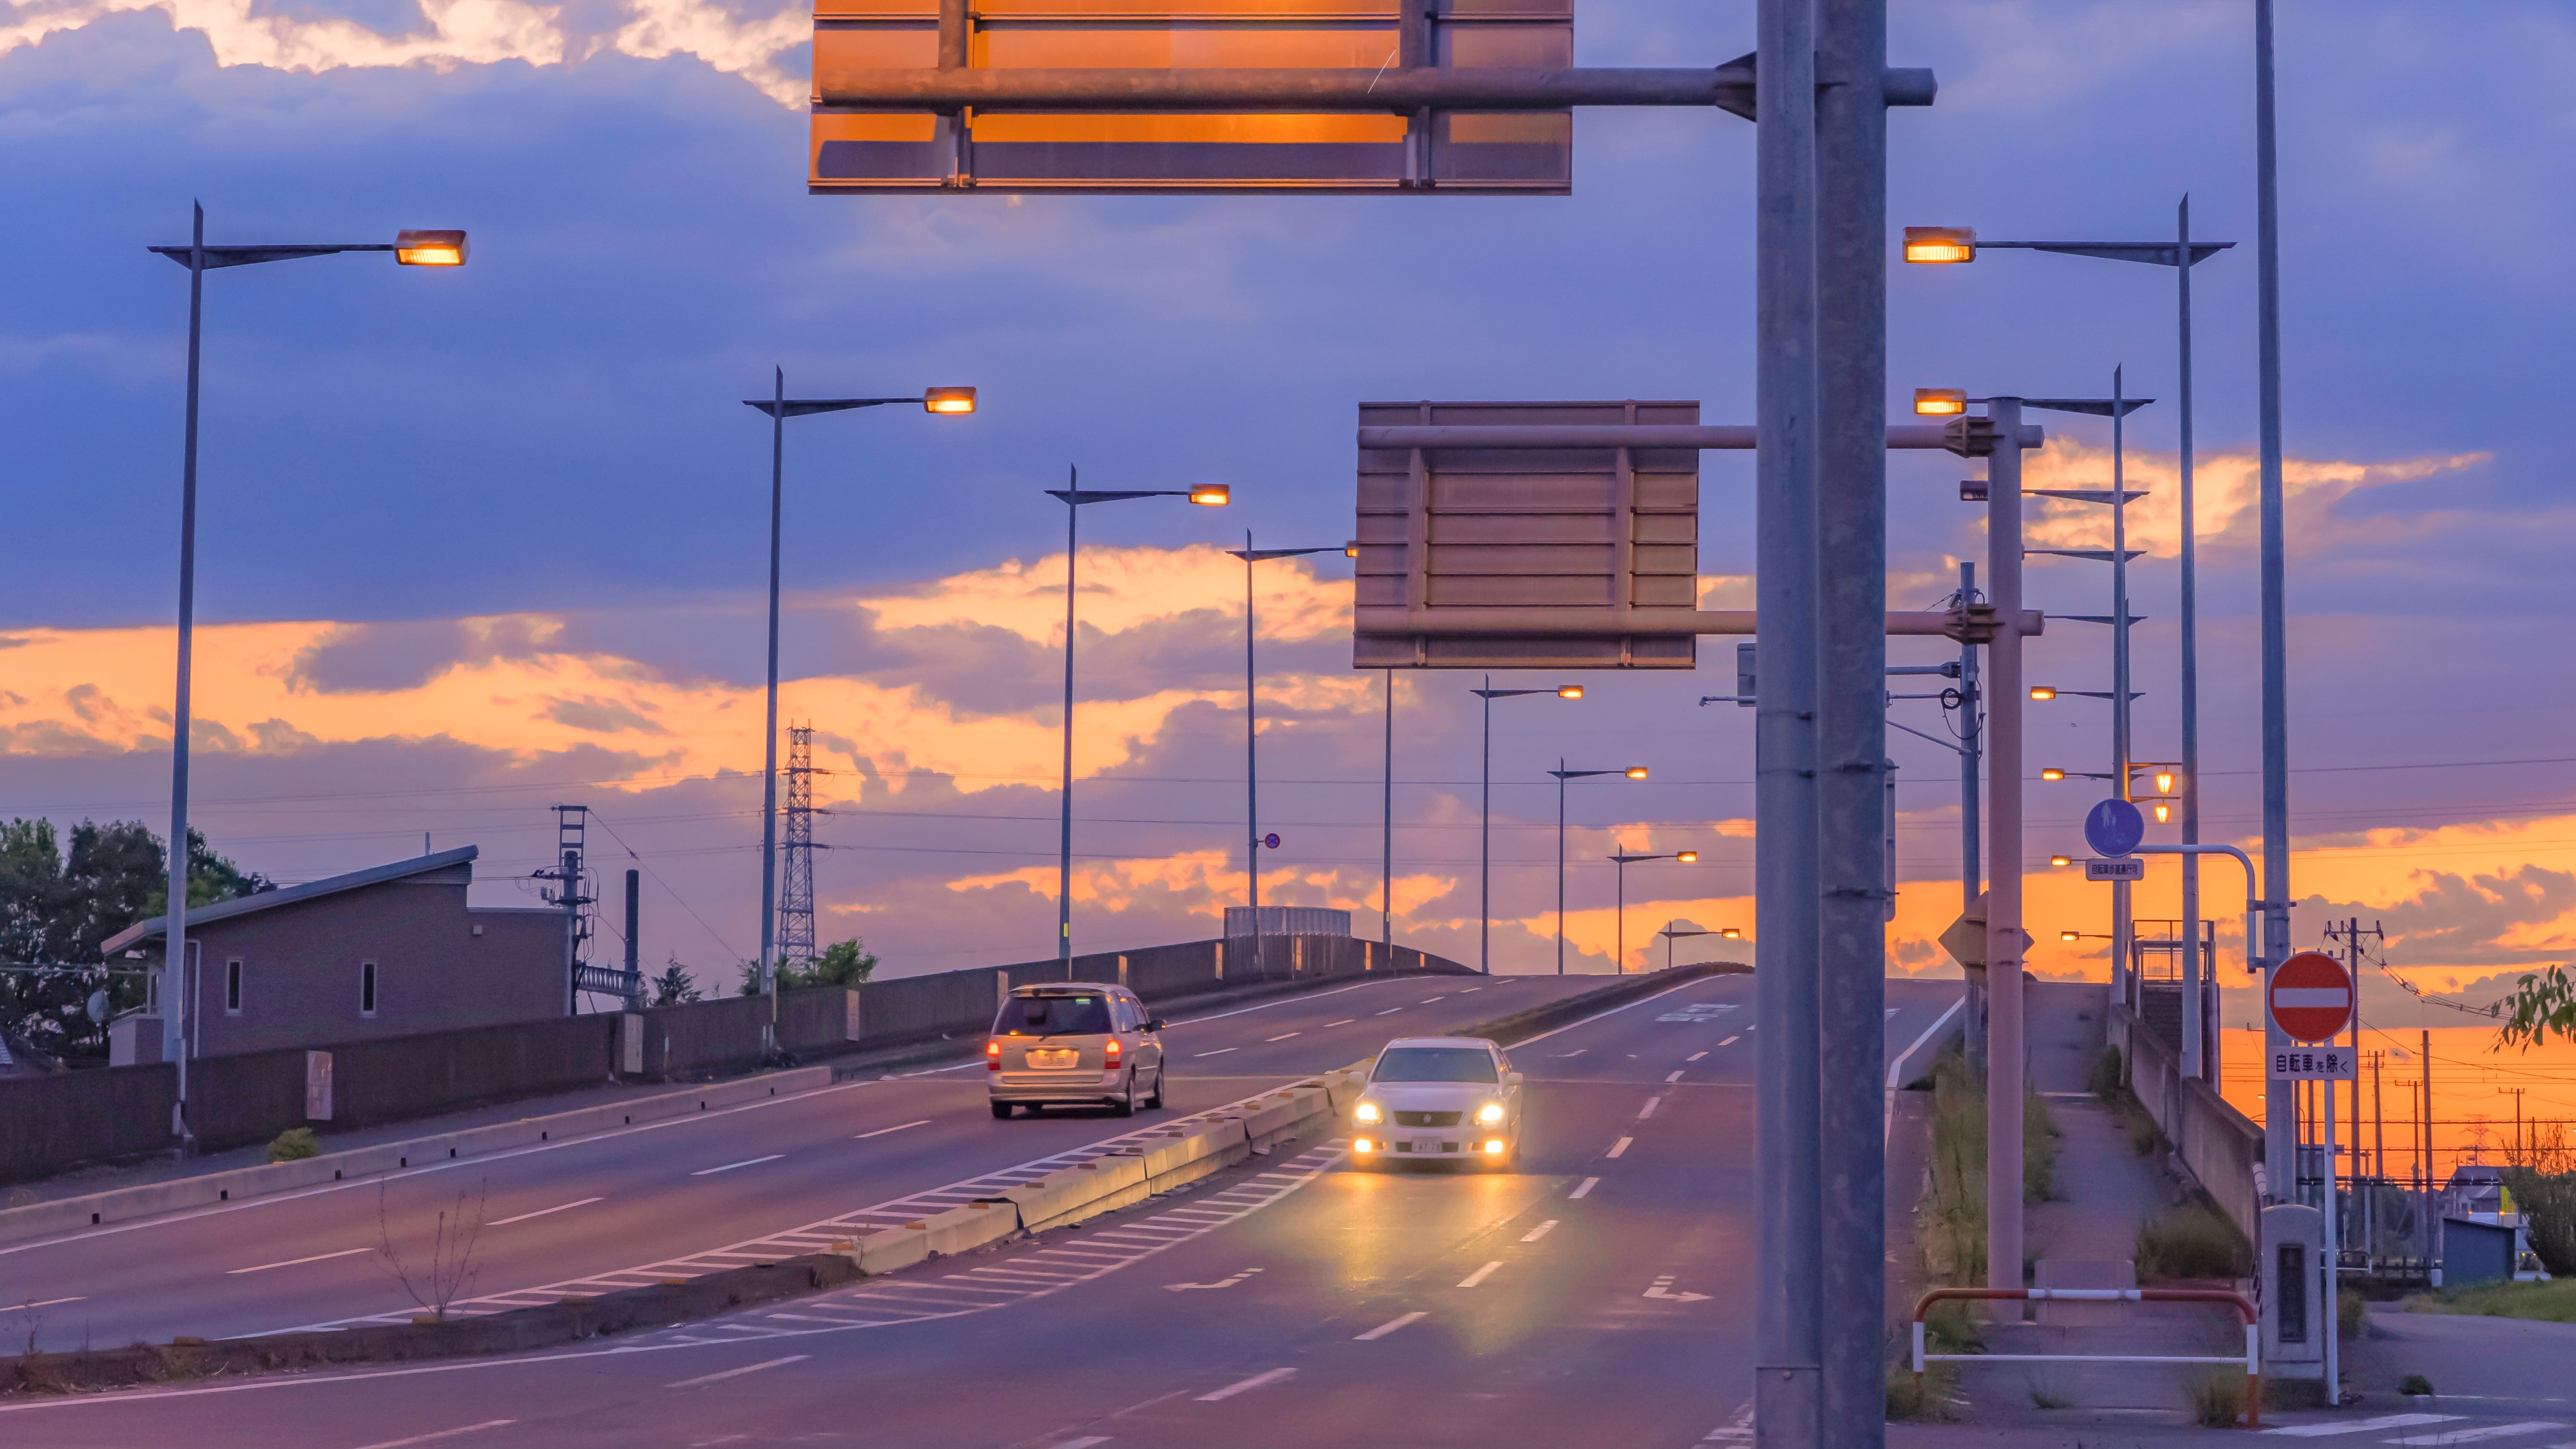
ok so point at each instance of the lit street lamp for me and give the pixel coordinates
(1940, 245)
(780, 407)
(1252, 724)
(410, 249)
(1485, 829)
(1073, 496)
(1562, 774)
(1686, 857)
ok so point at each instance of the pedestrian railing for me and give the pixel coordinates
(2251, 1361)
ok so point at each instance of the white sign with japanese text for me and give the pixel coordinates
(2309, 1064)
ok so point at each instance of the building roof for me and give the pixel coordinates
(142, 931)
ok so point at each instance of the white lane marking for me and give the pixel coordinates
(1390, 1011)
(1254, 1382)
(1536, 1233)
(1265, 1006)
(45, 1303)
(880, 1132)
(441, 1434)
(1390, 1326)
(1694, 1056)
(2472, 1436)
(1730, 1041)
(1619, 1146)
(1220, 1051)
(1675, 1077)
(291, 1262)
(1283, 1036)
(751, 1368)
(541, 1212)
(1345, 1021)
(1887, 1118)
(730, 1166)
(1220, 1283)
(1894, 1009)
(1085, 1442)
(1578, 1051)
(1479, 1276)
(1663, 1288)
(1583, 1191)
(1648, 1110)
(2384, 1421)
(1614, 1011)
(1465, 990)
(1426, 1001)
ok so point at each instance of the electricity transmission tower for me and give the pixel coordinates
(796, 890)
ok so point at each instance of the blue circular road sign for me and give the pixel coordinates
(2114, 827)
(1272, 839)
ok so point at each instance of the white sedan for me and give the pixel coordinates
(1439, 1099)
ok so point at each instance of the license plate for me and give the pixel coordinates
(1053, 1057)
(1426, 1144)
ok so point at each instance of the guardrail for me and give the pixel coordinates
(2252, 1361)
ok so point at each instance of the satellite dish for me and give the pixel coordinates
(97, 1006)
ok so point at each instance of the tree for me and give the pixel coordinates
(2543, 1002)
(843, 963)
(674, 986)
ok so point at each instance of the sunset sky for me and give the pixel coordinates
(477, 542)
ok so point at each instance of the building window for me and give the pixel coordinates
(366, 988)
(232, 987)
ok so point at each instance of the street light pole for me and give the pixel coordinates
(1485, 816)
(1562, 774)
(938, 400)
(410, 249)
(1620, 962)
(1386, 833)
(1073, 496)
(2278, 1107)
(1252, 726)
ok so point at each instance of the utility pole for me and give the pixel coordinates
(1386, 834)
(1971, 870)
(2515, 1156)
(796, 942)
(2272, 553)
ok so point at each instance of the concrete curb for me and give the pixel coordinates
(124, 1204)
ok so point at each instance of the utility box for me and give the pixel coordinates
(630, 1043)
(2296, 1315)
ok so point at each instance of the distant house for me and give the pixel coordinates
(386, 951)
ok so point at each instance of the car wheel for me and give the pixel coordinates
(1124, 1104)
(1156, 1101)
(1001, 1110)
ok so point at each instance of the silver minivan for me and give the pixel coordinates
(1074, 1042)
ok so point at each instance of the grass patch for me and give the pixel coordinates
(2144, 1135)
(294, 1145)
(1950, 1222)
(2193, 1240)
(2216, 1397)
(2038, 1149)
(2348, 1311)
(2102, 1075)
(2551, 1302)
(1930, 1400)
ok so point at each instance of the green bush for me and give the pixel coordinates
(2415, 1386)
(2348, 1311)
(2144, 1135)
(1950, 1226)
(2547, 1202)
(2193, 1240)
(2038, 1149)
(2102, 1078)
(2217, 1397)
(294, 1144)
(1928, 1401)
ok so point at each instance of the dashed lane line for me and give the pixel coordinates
(1730, 1041)
(1480, 1275)
(1536, 1233)
(1254, 1382)
(1220, 1051)
(736, 1373)
(1673, 1077)
(730, 1166)
(1283, 1036)
(293, 1262)
(1695, 1056)
(1390, 1326)
(900, 1127)
(1583, 1191)
(1648, 1110)
(1619, 1147)
(433, 1438)
(560, 1207)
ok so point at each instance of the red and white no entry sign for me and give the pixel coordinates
(2310, 997)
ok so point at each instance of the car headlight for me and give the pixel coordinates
(1490, 1113)
(1366, 1112)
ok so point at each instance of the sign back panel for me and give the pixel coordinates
(1501, 529)
(1090, 151)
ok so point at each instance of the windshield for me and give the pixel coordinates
(1053, 1016)
(1434, 1064)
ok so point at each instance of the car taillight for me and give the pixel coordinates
(1113, 1051)
(992, 1056)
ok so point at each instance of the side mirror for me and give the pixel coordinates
(1511, 1079)
(1156, 1024)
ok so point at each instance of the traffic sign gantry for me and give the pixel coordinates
(2114, 827)
(2310, 997)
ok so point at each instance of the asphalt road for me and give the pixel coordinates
(1600, 1294)
(682, 1196)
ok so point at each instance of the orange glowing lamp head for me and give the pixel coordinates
(1940, 244)
(430, 248)
(1733, 933)
(2061, 860)
(2070, 935)
(1635, 772)
(1569, 691)
(1940, 402)
(1688, 857)
(2043, 691)
(2052, 773)
(951, 400)
(1210, 495)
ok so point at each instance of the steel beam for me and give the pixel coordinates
(1931, 436)
(1575, 620)
(1500, 88)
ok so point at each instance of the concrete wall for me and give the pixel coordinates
(49, 1123)
(303, 963)
(2218, 1144)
